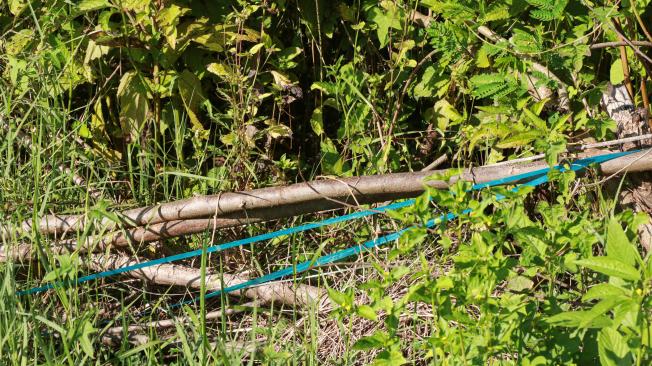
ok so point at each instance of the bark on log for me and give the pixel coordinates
(279, 202)
(176, 275)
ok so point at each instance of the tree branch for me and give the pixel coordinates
(237, 208)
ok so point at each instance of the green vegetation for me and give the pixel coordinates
(108, 105)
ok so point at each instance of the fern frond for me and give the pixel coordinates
(497, 12)
(494, 85)
(542, 4)
(547, 10)
(443, 38)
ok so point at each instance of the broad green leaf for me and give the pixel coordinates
(224, 71)
(599, 309)
(618, 245)
(519, 284)
(613, 348)
(340, 298)
(134, 106)
(280, 79)
(94, 51)
(445, 113)
(603, 291)
(137, 6)
(84, 338)
(17, 6)
(391, 357)
(214, 40)
(279, 130)
(317, 122)
(367, 312)
(168, 20)
(610, 267)
(192, 96)
(385, 19)
(573, 319)
(431, 83)
(325, 87)
(19, 41)
(616, 75)
(519, 139)
(91, 5)
(376, 340)
(256, 48)
(285, 57)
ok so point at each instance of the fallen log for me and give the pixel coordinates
(237, 208)
(176, 275)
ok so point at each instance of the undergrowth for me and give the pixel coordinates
(150, 101)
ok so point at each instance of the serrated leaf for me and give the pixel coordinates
(535, 120)
(610, 267)
(519, 139)
(618, 245)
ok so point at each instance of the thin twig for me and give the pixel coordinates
(640, 22)
(646, 101)
(439, 161)
(596, 46)
(168, 323)
(633, 47)
(625, 65)
(577, 148)
(624, 168)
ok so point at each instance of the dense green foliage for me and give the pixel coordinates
(154, 100)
